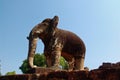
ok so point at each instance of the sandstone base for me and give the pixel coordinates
(98, 74)
(41, 70)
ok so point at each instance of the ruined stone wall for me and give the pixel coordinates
(98, 74)
(102, 73)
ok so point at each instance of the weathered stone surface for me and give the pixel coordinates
(98, 74)
(41, 70)
(18, 77)
(57, 42)
(110, 65)
(48, 74)
(104, 74)
(56, 75)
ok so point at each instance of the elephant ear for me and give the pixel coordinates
(54, 22)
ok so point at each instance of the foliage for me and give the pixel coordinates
(39, 60)
(11, 73)
(24, 67)
(63, 63)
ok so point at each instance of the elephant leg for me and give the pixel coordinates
(71, 64)
(48, 61)
(48, 58)
(55, 57)
(79, 63)
(56, 54)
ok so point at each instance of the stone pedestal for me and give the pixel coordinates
(40, 70)
(49, 75)
(46, 74)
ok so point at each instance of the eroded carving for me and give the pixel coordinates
(57, 42)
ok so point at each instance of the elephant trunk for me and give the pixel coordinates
(31, 51)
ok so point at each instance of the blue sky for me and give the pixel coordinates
(97, 22)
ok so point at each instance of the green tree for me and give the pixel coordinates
(63, 63)
(39, 60)
(11, 73)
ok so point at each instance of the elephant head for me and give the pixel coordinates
(41, 31)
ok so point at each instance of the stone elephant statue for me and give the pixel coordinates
(57, 42)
